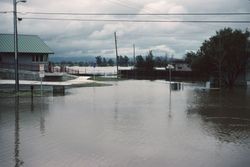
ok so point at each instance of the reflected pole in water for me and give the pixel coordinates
(170, 106)
(116, 102)
(170, 67)
(18, 162)
(94, 99)
(32, 103)
(42, 120)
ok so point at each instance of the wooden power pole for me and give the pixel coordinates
(134, 54)
(116, 51)
(134, 60)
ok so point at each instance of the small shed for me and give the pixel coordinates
(32, 51)
(181, 65)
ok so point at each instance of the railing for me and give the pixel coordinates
(71, 71)
(65, 70)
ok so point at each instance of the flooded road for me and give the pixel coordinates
(130, 124)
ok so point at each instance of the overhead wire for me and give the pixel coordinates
(146, 14)
(131, 20)
(134, 14)
(135, 20)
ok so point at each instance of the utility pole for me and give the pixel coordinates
(134, 54)
(15, 46)
(15, 2)
(116, 51)
(134, 60)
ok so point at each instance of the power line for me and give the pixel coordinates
(135, 14)
(138, 21)
(138, 14)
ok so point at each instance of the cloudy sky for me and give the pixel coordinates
(77, 38)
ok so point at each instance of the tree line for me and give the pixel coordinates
(149, 61)
(122, 61)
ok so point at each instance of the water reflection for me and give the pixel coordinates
(32, 104)
(170, 105)
(22, 121)
(175, 87)
(42, 119)
(229, 129)
(116, 106)
(18, 161)
(225, 114)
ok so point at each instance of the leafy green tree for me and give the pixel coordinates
(99, 60)
(149, 61)
(189, 57)
(223, 56)
(140, 62)
(160, 61)
(111, 62)
(81, 63)
(123, 60)
(104, 61)
(126, 60)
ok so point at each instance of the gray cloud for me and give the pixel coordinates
(71, 38)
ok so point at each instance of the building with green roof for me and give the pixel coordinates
(32, 51)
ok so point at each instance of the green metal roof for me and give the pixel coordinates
(26, 44)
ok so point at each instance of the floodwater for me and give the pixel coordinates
(130, 124)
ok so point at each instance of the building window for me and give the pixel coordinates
(37, 58)
(41, 58)
(45, 58)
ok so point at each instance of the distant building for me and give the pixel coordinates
(181, 65)
(32, 51)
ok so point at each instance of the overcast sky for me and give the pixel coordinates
(74, 38)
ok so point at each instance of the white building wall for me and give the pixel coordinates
(25, 61)
(182, 67)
